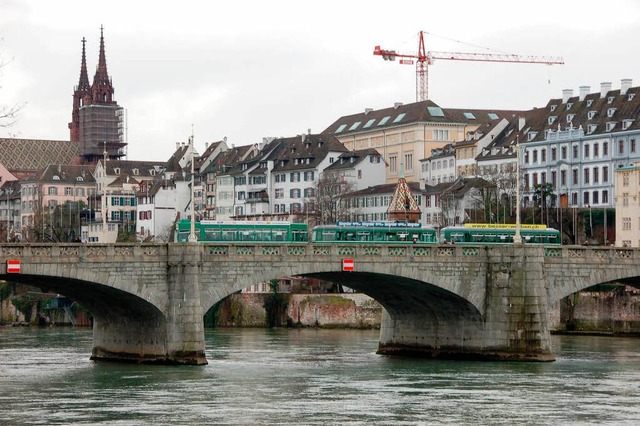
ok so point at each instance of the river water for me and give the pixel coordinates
(314, 377)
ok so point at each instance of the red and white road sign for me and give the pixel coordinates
(347, 265)
(13, 266)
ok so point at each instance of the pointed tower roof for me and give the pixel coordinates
(83, 84)
(403, 206)
(102, 89)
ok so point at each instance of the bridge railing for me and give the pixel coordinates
(587, 254)
(77, 252)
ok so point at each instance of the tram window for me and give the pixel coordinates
(279, 236)
(477, 237)
(363, 236)
(402, 236)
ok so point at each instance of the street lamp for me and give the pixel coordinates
(192, 233)
(8, 191)
(517, 239)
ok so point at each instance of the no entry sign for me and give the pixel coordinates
(347, 265)
(13, 266)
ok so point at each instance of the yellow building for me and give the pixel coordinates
(405, 134)
(627, 190)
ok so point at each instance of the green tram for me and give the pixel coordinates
(244, 231)
(374, 232)
(483, 233)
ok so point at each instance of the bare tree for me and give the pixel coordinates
(8, 114)
(329, 189)
(503, 177)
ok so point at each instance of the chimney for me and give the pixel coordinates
(566, 94)
(521, 123)
(177, 145)
(604, 89)
(367, 110)
(397, 105)
(206, 145)
(584, 91)
(625, 84)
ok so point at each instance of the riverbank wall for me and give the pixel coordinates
(615, 312)
(343, 310)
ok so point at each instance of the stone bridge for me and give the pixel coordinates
(471, 302)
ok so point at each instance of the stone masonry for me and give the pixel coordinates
(475, 302)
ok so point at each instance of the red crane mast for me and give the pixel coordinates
(423, 59)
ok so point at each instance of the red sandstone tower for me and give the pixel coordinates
(97, 121)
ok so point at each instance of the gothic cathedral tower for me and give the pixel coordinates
(97, 122)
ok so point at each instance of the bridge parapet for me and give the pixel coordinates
(599, 254)
(74, 252)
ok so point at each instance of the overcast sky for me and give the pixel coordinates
(251, 69)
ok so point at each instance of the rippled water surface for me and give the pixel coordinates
(312, 377)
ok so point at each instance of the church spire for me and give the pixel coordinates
(81, 96)
(83, 84)
(102, 90)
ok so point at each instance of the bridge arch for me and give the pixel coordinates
(422, 308)
(121, 319)
(579, 268)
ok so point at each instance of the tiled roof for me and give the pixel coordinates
(387, 188)
(403, 201)
(33, 154)
(66, 173)
(123, 179)
(305, 152)
(135, 168)
(417, 112)
(350, 159)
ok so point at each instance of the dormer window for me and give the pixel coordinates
(610, 99)
(630, 96)
(551, 119)
(263, 164)
(354, 126)
(341, 128)
(553, 107)
(611, 125)
(136, 172)
(591, 128)
(244, 166)
(308, 160)
(569, 105)
(116, 171)
(56, 177)
(589, 102)
(591, 114)
(295, 161)
(79, 179)
(531, 136)
(626, 124)
(570, 118)
(610, 112)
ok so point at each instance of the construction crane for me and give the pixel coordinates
(423, 59)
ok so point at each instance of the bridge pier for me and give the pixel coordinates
(512, 326)
(132, 330)
(185, 324)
